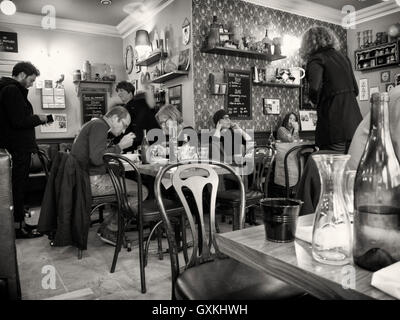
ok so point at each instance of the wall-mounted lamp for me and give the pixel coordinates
(8, 7)
(142, 44)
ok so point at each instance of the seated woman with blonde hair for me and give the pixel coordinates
(289, 130)
(171, 122)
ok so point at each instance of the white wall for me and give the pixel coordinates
(170, 19)
(373, 76)
(59, 52)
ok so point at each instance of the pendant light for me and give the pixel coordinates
(8, 7)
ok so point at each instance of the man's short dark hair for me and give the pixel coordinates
(120, 112)
(25, 67)
(127, 86)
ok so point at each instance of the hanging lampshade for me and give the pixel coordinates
(142, 38)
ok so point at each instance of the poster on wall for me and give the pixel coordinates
(364, 90)
(308, 120)
(8, 42)
(59, 124)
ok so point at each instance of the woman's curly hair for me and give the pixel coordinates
(316, 38)
(285, 121)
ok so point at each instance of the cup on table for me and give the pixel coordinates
(280, 218)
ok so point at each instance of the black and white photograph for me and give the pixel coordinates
(161, 151)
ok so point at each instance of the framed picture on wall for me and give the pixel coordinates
(385, 76)
(271, 106)
(364, 90)
(59, 124)
(308, 120)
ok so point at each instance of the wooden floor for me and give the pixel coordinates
(90, 278)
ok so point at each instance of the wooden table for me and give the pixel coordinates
(293, 263)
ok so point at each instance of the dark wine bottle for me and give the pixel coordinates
(377, 195)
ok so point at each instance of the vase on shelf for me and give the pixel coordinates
(87, 71)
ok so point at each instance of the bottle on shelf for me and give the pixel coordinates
(376, 194)
(213, 36)
(87, 71)
(267, 42)
(144, 148)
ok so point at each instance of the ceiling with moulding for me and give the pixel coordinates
(339, 4)
(90, 10)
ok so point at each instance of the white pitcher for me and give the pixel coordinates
(298, 74)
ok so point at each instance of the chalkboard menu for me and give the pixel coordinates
(238, 102)
(93, 105)
(8, 42)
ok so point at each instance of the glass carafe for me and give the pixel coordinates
(377, 195)
(331, 238)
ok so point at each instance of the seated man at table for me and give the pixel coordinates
(90, 146)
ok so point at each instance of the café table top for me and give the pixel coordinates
(293, 263)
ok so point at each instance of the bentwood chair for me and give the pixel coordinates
(143, 214)
(302, 153)
(264, 157)
(208, 274)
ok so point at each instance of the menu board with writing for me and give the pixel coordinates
(238, 102)
(93, 105)
(8, 42)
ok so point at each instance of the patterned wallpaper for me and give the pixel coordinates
(253, 20)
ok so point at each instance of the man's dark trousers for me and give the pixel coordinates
(21, 161)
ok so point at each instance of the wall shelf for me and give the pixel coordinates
(242, 53)
(152, 59)
(379, 56)
(92, 85)
(169, 76)
(277, 84)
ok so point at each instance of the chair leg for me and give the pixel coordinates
(118, 245)
(146, 252)
(236, 213)
(142, 259)
(184, 239)
(159, 244)
(101, 215)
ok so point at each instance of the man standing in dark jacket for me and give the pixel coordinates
(143, 117)
(17, 133)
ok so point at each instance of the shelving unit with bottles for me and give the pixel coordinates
(383, 55)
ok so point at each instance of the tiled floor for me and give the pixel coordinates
(90, 277)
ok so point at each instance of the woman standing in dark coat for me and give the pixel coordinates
(333, 89)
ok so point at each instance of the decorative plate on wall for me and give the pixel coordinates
(129, 59)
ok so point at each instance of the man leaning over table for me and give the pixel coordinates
(90, 146)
